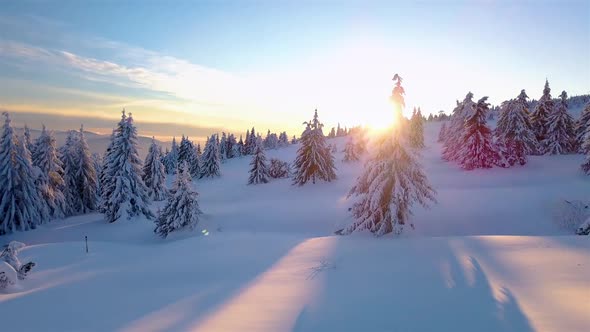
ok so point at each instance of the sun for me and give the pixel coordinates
(379, 116)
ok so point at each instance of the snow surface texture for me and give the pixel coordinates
(487, 257)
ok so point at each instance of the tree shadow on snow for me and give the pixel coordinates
(393, 291)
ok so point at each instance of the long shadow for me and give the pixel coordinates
(145, 284)
(403, 286)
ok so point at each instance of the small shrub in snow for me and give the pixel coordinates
(570, 214)
(278, 169)
(11, 269)
(584, 228)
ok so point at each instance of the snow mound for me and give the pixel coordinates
(570, 214)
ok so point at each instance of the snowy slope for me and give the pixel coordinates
(487, 257)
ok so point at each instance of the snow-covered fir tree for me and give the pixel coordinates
(127, 195)
(50, 178)
(294, 140)
(514, 134)
(456, 128)
(332, 133)
(582, 126)
(199, 151)
(69, 159)
(210, 160)
(154, 173)
(278, 169)
(560, 134)
(240, 149)
(21, 206)
(258, 167)
(223, 146)
(350, 151)
(252, 143)
(86, 177)
(102, 176)
(97, 162)
(230, 151)
(314, 160)
(283, 139)
(195, 166)
(27, 139)
(80, 177)
(586, 147)
(540, 116)
(391, 183)
(171, 163)
(442, 134)
(271, 141)
(477, 150)
(246, 145)
(417, 130)
(182, 208)
(186, 151)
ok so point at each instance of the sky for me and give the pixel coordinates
(198, 67)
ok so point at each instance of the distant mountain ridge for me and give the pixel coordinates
(96, 142)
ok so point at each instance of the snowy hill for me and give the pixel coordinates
(487, 257)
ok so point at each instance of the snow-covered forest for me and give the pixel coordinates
(468, 217)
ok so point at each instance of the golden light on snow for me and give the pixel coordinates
(280, 293)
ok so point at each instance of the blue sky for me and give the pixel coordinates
(212, 65)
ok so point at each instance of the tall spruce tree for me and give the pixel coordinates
(97, 162)
(103, 178)
(69, 159)
(581, 128)
(314, 159)
(477, 150)
(390, 184)
(223, 146)
(86, 178)
(21, 206)
(210, 160)
(540, 116)
(127, 195)
(514, 134)
(230, 149)
(50, 180)
(350, 151)
(182, 208)
(586, 147)
(259, 168)
(560, 134)
(442, 133)
(154, 173)
(417, 130)
(171, 163)
(456, 129)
